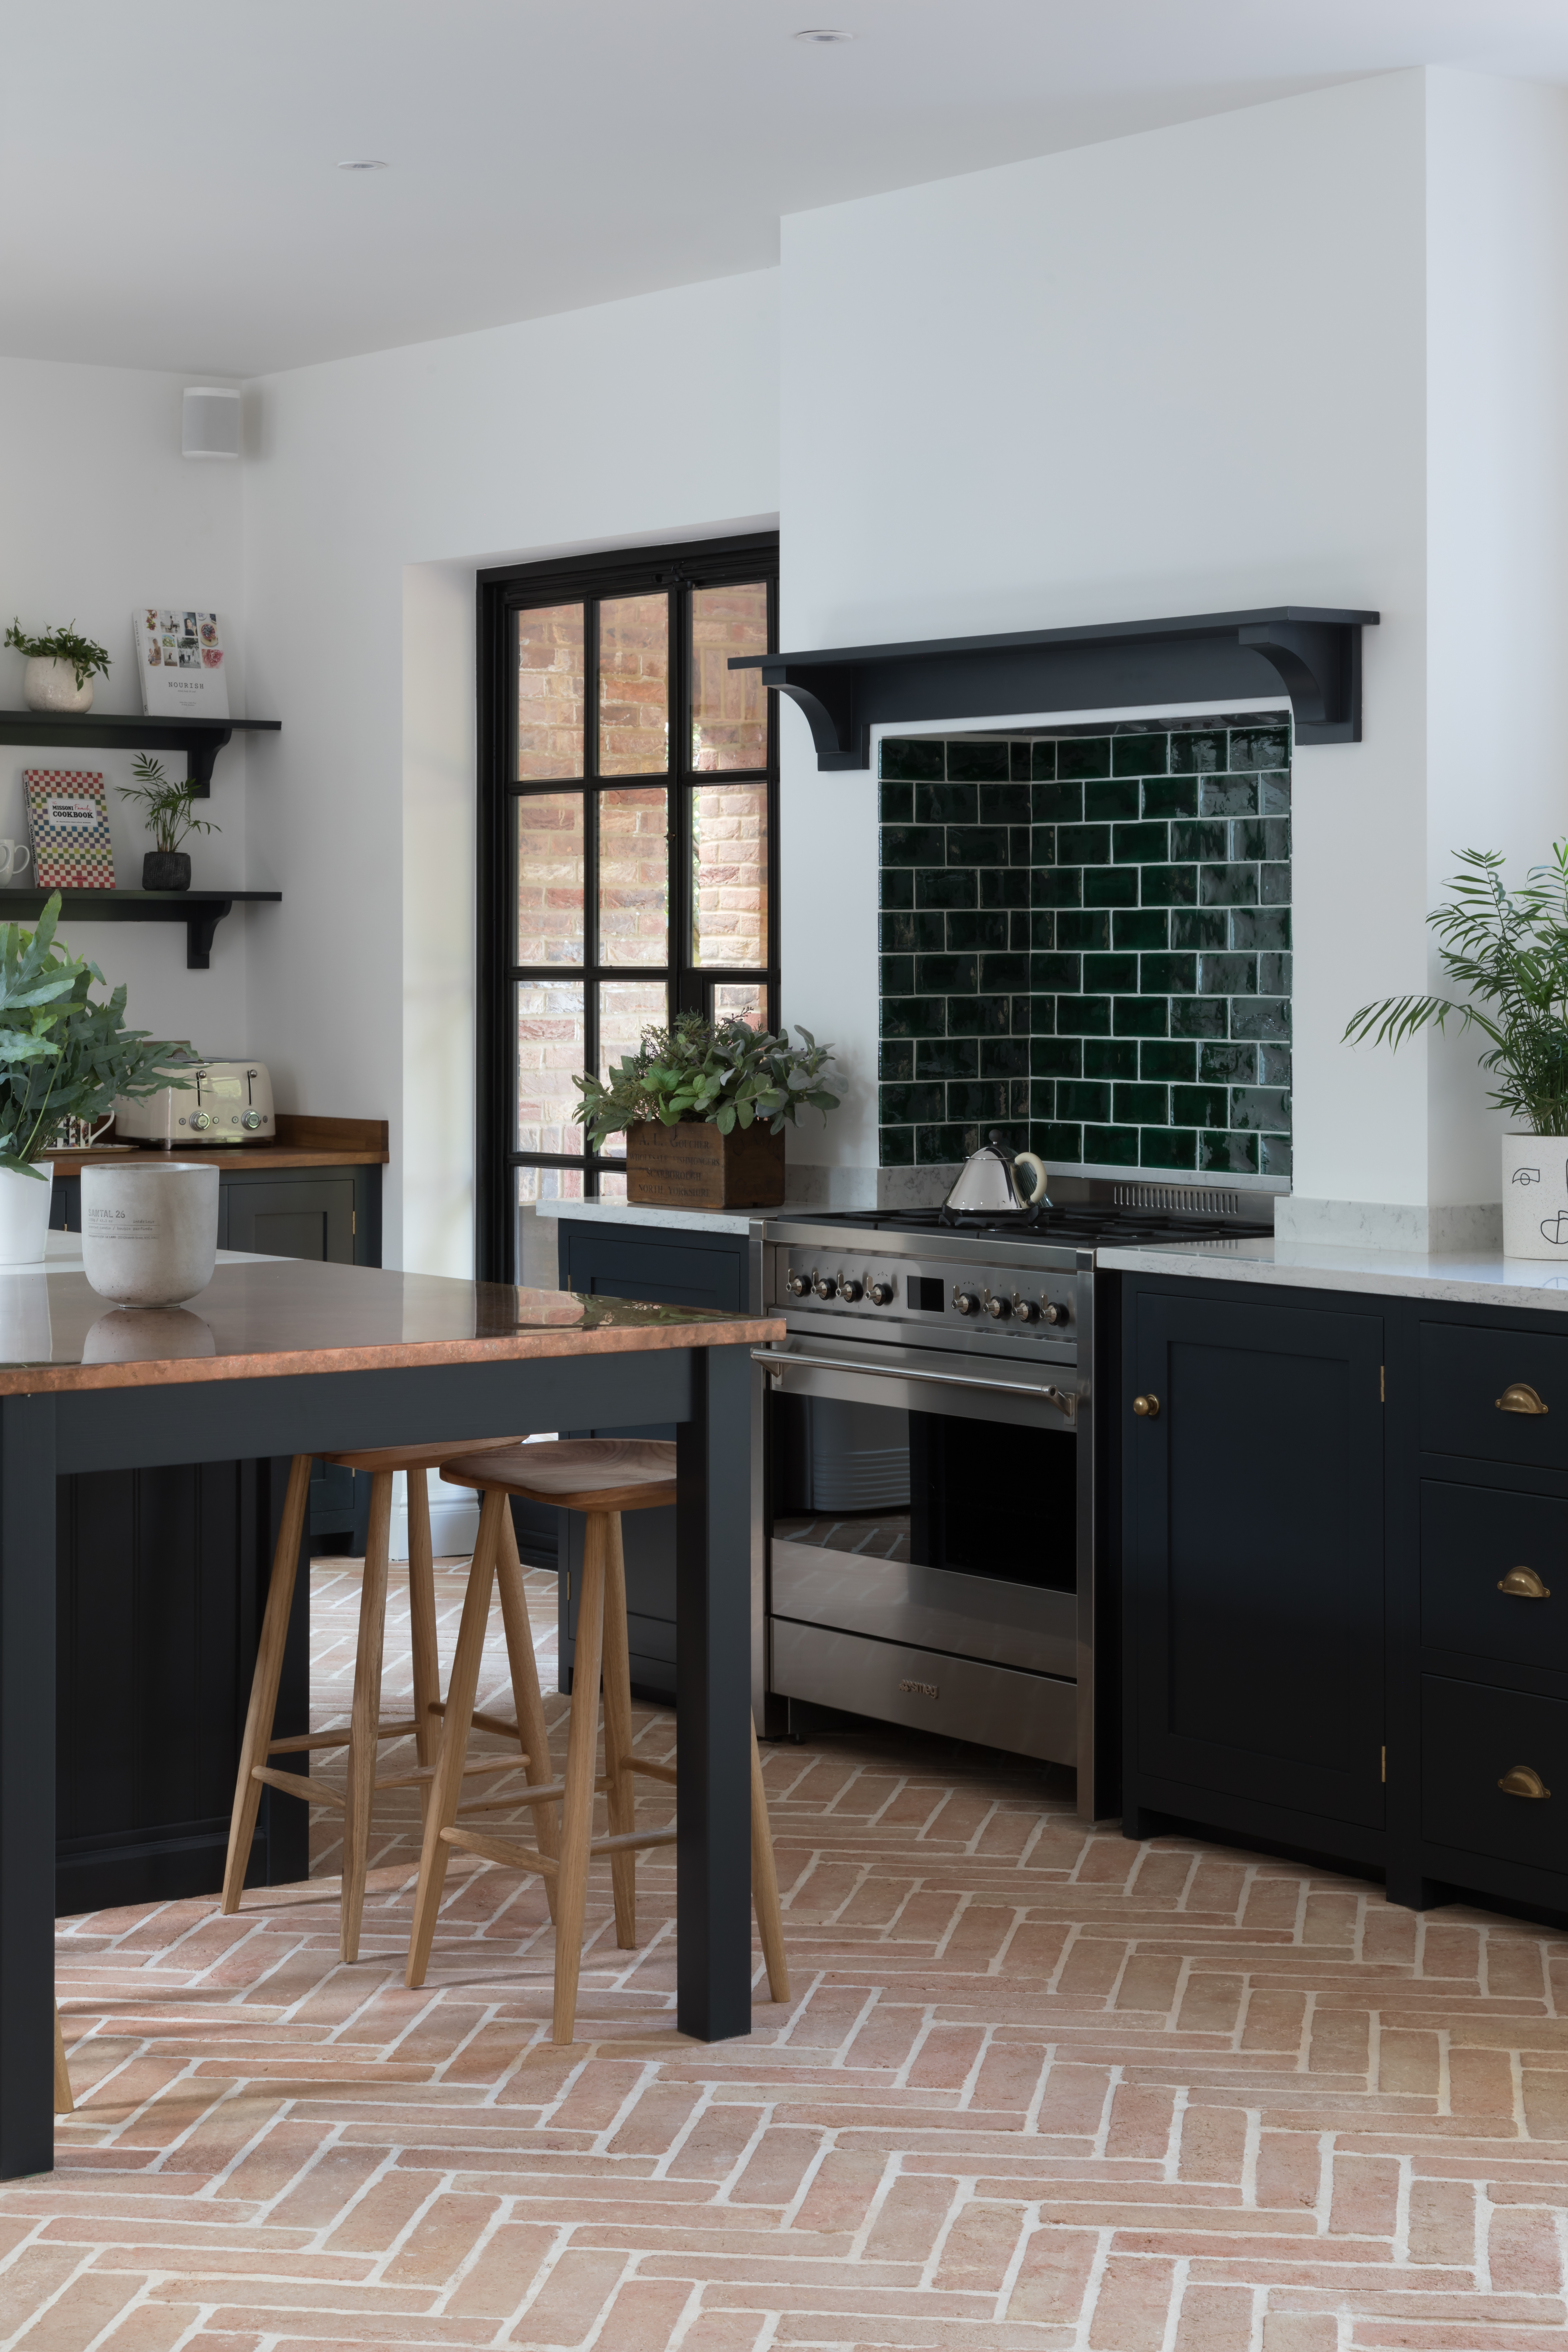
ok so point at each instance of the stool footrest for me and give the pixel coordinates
(297, 1784)
(479, 1722)
(544, 1793)
(650, 1772)
(417, 1774)
(512, 1857)
(311, 1739)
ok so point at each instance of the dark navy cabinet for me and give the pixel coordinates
(675, 1269)
(1346, 1581)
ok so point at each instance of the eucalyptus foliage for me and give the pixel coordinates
(165, 805)
(1508, 950)
(85, 655)
(61, 1054)
(718, 1071)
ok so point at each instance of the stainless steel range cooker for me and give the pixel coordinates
(931, 1544)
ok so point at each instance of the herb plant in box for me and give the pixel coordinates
(62, 1055)
(1507, 951)
(703, 1105)
(60, 669)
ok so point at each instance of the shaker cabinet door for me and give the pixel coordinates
(1253, 1536)
(312, 1219)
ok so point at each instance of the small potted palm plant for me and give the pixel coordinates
(61, 666)
(1507, 951)
(62, 1056)
(703, 1105)
(166, 813)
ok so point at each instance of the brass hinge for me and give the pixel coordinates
(1382, 1385)
(1384, 1774)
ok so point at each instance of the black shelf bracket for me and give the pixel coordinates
(201, 911)
(1313, 652)
(201, 739)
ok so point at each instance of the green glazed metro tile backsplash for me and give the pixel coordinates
(1086, 945)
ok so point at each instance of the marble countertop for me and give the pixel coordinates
(1483, 1278)
(262, 1318)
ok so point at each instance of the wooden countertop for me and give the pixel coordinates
(303, 1140)
(286, 1316)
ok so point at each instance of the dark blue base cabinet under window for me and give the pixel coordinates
(677, 1269)
(1345, 1583)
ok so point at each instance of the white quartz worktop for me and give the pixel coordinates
(690, 1220)
(1483, 1278)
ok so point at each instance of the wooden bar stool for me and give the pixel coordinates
(601, 1477)
(366, 1726)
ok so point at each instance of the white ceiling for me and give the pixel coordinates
(169, 196)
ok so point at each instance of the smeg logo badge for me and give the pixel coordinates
(922, 1690)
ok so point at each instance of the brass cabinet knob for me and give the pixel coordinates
(1520, 1781)
(1520, 1397)
(1523, 1584)
(1147, 1407)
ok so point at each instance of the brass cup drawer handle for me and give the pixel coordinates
(1147, 1407)
(1520, 1781)
(1523, 1584)
(1520, 1397)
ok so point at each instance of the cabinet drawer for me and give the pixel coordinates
(1464, 1371)
(1472, 1537)
(1470, 1737)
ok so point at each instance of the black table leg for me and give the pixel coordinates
(713, 1698)
(26, 1785)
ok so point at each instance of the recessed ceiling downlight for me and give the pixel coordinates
(821, 35)
(363, 164)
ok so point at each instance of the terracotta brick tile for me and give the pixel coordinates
(886, 2036)
(1074, 2098)
(1091, 1968)
(978, 2247)
(662, 2111)
(572, 2298)
(1211, 2004)
(1107, 1861)
(320, 2195)
(1131, 2306)
(873, 1904)
(1450, 1951)
(842, 2191)
(1275, 2020)
(1036, 1951)
(1272, 1903)
(152, 2327)
(1480, 2083)
(910, 2215)
(1149, 1981)
(1340, 2041)
(1514, 1969)
(714, 2144)
(1213, 2144)
(946, 2058)
(442, 2238)
(1442, 2221)
(1546, 2103)
(82, 2311)
(1287, 2331)
(382, 2214)
(925, 1918)
(1408, 2062)
(1365, 2195)
(1010, 2077)
(1523, 2253)
(776, 2166)
(1141, 2122)
(597, 2096)
(1215, 2319)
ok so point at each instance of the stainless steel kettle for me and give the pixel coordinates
(986, 1186)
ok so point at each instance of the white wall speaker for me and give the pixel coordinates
(209, 423)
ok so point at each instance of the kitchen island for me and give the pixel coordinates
(1344, 1521)
(277, 1358)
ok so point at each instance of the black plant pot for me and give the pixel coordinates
(166, 870)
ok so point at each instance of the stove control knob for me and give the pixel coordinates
(966, 1302)
(880, 1292)
(797, 1284)
(1025, 1310)
(825, 1286)
(1051, 1313)
(850, 1291)
(997, 1308)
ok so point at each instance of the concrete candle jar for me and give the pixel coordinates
(150, 1234)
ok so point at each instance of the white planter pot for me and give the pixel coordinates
(24, 1217)
(1535, 1196)
(149, 1235)
(51, 685)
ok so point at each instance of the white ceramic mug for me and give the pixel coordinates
(17, 854)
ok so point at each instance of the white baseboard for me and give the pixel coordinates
(452, 1525)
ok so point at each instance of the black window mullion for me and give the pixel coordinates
(590, 863)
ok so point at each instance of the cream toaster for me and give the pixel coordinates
(220, 1102)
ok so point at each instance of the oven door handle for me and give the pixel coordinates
(776, 1362)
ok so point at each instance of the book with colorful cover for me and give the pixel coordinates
(68, 817)
(180, 656)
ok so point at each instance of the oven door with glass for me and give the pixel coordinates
(925, 1542)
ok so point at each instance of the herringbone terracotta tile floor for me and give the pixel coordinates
(1037, 2089)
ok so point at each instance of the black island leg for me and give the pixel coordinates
(26, 1785)
(713, 1698)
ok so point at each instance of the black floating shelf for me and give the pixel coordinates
(124, 730)
(1314, 653)
(201, 911)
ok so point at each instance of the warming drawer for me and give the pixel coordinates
(980, 1617)
(1028, 1715)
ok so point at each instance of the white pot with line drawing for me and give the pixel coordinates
(1535, 1196)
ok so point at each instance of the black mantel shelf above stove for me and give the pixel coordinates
(1312, 651)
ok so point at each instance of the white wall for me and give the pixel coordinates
(98, 512)
(381, 484)
(1179, 372)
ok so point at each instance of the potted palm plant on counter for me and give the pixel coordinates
(703, 1105)
(62, 1055)
(1508, 952)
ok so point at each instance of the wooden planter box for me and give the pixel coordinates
(693, 1166)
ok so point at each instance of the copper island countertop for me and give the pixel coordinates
(289, 1315)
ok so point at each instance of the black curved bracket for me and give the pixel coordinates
(1313, 653)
